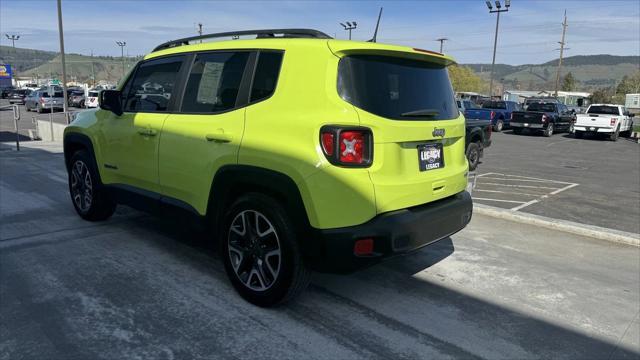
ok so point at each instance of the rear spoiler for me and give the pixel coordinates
(343, 48)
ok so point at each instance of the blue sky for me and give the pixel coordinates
(529, 32)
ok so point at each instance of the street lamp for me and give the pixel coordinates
(122, 44)
(13, 39)
(498, 10)
(349, 26)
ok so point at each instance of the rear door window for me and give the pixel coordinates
(396, 88)
(214, 82)
(266, 75)
(153, 85)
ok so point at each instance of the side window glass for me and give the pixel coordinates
(152, 86)
(266, 76)
(214, 82)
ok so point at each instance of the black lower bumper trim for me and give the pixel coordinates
(394, 233)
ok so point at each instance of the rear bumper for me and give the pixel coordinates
(593, 129)
(526, 125)
(394, 233)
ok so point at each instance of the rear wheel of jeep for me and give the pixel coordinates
(260, 251)
(89, 198)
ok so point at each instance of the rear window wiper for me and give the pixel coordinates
(422, 112)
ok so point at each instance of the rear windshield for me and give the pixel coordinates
(93, 94)
(604, 110)
(494, 105)
(394, 88)
(541, 107)
(56, 94)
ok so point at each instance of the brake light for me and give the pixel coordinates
(428, 51)
(511, 116)
(327, 143)
(613, 121)
(350, 147)
(544, 118)
(493, 114)
(41, 100)
(363, 247)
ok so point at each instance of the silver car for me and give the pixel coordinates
(40, 101)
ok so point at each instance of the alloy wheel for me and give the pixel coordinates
(254, 250)
(81, 186)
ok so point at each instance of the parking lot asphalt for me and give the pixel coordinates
(137, 286)
(590, 181)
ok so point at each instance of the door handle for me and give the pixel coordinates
(219, 137)
(147, 132)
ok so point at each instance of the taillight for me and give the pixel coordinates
(327, 143)
(493, 114)
(544, 118)
(511, 116)
(41, 100)
(613, 121)
(349, 147)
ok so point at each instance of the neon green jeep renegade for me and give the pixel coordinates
(298, 151)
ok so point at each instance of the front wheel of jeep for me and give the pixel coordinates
(89, 197)
(260, 251)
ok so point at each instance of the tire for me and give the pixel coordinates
(90, 199)
(81, 104)
(39, 110)
(498, 126)
(578, 134)
(548, 132)
(263, 280)
(615, 135)
(473, 155)
(517, 131)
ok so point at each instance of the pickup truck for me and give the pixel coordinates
(478, 138)
(499, 112)
(603, 119)
(547, 117)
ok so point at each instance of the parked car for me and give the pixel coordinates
(464, 105)
(76, 98)
(498, 112)
(342, 155)
(548, 99)
(92, 99)
(40, 101)
(477, 138)
(5, 91)
(548, 117)
(607, 119)
(18, 96)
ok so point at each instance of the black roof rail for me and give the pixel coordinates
(260, 34)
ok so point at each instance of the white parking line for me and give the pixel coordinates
(510, 185)
(507, 201)
(522, 186)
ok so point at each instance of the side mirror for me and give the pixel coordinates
(111, 100)
(631, 115)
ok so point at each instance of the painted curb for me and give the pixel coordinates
(595, 232)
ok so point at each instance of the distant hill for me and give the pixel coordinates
(47, 64)
(591, 72)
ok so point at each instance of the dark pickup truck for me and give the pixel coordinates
(478, 137)
(548, 117)
(499, 112)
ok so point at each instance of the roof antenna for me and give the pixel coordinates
(375, 33)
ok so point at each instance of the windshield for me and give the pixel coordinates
(604, 110)
(397, 88)
(541, 107)
(494, 105)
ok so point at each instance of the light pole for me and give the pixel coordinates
(442, 40)
(498, 10)
(64, 64)
(122, 44)
(13, 39)
(349, 27)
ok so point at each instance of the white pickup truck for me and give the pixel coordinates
(603, 119)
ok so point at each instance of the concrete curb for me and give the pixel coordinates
(595, 232)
